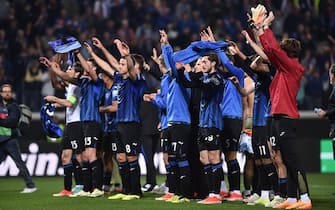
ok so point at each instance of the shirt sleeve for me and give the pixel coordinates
(159, 101)
(168, 60)
(238, 72)
(277, 56)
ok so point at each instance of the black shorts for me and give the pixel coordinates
(209, 139)
(179, 134)
(281, 128)
(130, 137)
(73, 137)
(92, 134)
(231, 134)
(260, 142)
(111, 143)
(165, 140)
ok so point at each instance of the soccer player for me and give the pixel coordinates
(110, 138)
(283, 91)
(210, 127)
(261, 74)
(130, 87)
(160, 100)
(150, 135)
(179, 125)
(110, 68)
(72, 135)
(231, 108)
(91, 93)
(245, 145)
(260, 68)
(264, 165)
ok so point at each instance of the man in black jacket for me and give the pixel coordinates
(330, 111)
(9, 145)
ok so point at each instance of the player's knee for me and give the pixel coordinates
(204, 160)
(214, 159)
(121, 157)
(231, 155)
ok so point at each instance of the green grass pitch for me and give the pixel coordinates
(322, 190)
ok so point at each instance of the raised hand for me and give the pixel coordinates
(188, 67)
(96, 42)
(233, 48)
(179, 65)
(164, 38)
(122, 47)
(258, 15)
(256, 62)
(210, 33)
(147, 98)
(249, 16)
(247, 37)
(268, 20)
(204, 36)
(207, 35)
(45, 61)
(154, 56)
(89, 48)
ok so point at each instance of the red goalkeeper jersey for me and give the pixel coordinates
(286, 82)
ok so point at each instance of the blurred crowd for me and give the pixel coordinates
(26, 26)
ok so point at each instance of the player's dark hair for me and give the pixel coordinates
(291, 46)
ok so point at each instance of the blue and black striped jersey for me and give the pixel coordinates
(129, 97)
(178, 96)
(211, 95)
(109, 121)
(91, 94)
(231, 105)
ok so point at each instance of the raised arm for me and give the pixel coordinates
(100, 62)
(82, 61)
(254, 46)
(53, 66)
(60, 101)
(239, 73)
(88, 68)
(167, 52)
(162, 69)
(236, 50)
(244, 91)
(123, 48)
(56, 84)
(110, 58)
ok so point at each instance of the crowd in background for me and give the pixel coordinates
(26, 27)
